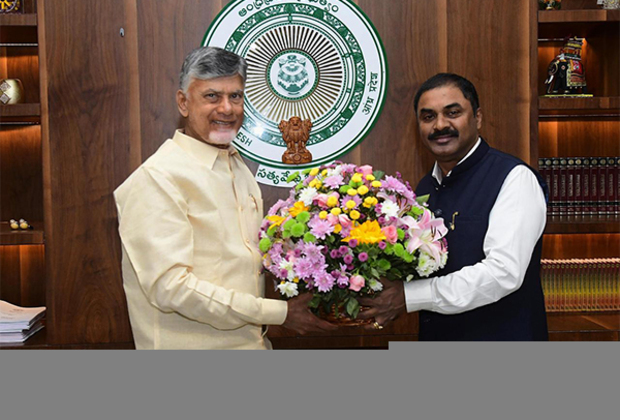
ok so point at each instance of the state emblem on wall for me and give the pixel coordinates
(318, 60)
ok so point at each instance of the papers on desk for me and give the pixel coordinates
(17, 324)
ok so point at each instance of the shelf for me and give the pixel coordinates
(562, 16)
(21, 237)
(597, 104)
(583, 321)
(37, 341)
(18, 19)
(583, 224)
(20, 110)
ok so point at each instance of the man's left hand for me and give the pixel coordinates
(385, 307)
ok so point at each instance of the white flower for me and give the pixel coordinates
(289, 289)
(375, 285)
(390, 208)
(335, 171)
(288, 266)
(307, 195)
(426, 264)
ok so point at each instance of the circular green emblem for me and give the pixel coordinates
(315, 59)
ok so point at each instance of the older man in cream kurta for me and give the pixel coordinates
(189, 219)
(194, 281)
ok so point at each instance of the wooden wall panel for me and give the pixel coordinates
(22, 274)
(88, 88)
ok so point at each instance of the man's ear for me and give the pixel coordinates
(182, 103)
(479, 119)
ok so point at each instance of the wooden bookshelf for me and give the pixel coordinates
(594, 104)
(573, 16)
(20, 110)
(18, 19)
(9, 236)
(583, 224)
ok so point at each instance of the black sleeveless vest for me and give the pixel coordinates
(471, 190)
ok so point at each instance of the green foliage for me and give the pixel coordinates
(306, 171)
(293, 177)
(401, 234)
(289, 224)
(378, 174)
(399, 250)
(344, 189)
(303, 217)
(353, 307)
(384, 264)
(422, 199)
(272, 230)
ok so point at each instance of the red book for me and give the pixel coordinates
(593, 185)
(578, 200)
(585, 186)
(617, 185)
(570, 186)
(610, 170)
(563, 203)
(602, 185)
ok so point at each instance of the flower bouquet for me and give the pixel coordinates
(341, 230)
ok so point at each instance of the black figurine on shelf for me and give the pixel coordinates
(566, 73)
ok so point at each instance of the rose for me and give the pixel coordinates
(356, 283)
(391, 234)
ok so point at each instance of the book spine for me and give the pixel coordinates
(555, 187)
(563, 203)
(602, 186)
(593, 186)
(612, 164)
(570, 187)
(578, 197)
(585, 186)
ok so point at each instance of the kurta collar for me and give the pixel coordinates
(202, 151)
(472, 158)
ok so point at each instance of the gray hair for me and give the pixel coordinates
(206, 63)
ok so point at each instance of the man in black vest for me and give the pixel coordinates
(495, 208)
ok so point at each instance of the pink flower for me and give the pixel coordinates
(391, 234)
(365, 170)
(356, 283)
(426, 234)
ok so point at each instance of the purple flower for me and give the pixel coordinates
(348, 259)
(311, 250)
(304, 268)
(324, 282)
(382, 245)
(380, 219)
(334, 253)
(320, 227)
(363, 257)
(333, 181)
(353, 243)
(343, 250)
(356, 199)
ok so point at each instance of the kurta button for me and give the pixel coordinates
(436, 188)
(438, 212)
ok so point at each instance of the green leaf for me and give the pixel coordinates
(384, 264)
(401, 234)
(293, 176)
(422, 199)
(272, 230)
(353, 307)
(306, 171)
(315, 302)
(375, 273)
(378, 174)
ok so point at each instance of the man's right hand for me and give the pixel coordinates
(299, 318)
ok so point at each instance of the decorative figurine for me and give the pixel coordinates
(566, 72)
(549, 4)
(10, 6)
(11, 91)
(13, 223)
(296, 133)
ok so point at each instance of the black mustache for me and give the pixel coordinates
(445, 132)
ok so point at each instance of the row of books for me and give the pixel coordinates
(17, 323)
(582, 185)
(581, 284)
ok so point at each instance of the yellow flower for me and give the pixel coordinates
(332, 201)
(296, 280)
(352, 192)
(367, 205)
(276, 220)
(370, 177)
(337, 228)
(354, 214)
(323, 215)
(324, 173)
(362, 190)
(336, 211)
(314, 172)
(376, 184)
(351, 204)
(366, 233)
(356, 178)
(297, 208)
(315, 183)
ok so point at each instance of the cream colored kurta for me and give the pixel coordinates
(189, 219)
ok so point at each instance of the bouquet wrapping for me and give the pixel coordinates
(344, 228)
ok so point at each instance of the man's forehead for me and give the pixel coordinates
(220, 84)
(442, 97)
